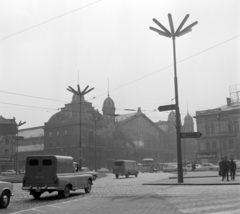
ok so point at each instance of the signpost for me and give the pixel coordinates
(167, 108)
(190, 135)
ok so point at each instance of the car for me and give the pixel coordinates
(9, 172)
(188, 167)
(88, 171)
(170, 167)
(208, 166)
(6, 191)
(104, 170)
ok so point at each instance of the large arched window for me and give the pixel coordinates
(230, 127)
(236, 126)
(207, 129)
(212, 128)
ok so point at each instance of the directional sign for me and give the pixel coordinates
(190, 135)
(17, 137)
(167, 108)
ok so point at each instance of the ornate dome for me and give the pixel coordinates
(172, 116)
(76, 99)
(188, 119)
(108, 103)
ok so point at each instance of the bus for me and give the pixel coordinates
(148, 165)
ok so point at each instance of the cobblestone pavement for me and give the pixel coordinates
(115, 196)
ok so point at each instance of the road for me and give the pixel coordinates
(115, 196)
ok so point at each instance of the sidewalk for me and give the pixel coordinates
(197, 178)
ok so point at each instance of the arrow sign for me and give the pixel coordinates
(167, 108)
(190, 135)
(17, 137)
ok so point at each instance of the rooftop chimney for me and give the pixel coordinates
(229, 101)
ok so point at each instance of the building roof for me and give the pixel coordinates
(123, 117)
(6, 121)
(31, 132)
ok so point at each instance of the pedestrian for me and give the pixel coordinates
(220, 167)
(225, 168)
(232, 168)
(193, 166)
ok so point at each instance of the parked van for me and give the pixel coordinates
(125, 167)
(53, 173)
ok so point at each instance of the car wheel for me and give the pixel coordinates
(136, 174)
(88, 187)
(127, 175)
(64, 193)
(36, 195)
(211, 169)
(117, 175)
(4, 199)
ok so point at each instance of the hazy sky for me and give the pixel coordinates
(44, 44)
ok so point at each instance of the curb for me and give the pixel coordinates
(190, 184)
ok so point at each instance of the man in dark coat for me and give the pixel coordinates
(220, 166)
(225, 168)
(232, 168)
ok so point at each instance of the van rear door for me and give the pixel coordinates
(48, 171)
(32, 171)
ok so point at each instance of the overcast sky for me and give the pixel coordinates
(44, 44)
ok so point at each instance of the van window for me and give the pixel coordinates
(118, 163)
(33, 162)
(47, 162)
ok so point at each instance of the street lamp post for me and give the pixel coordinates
(80, 94)
(16, 150)
(173, 34)
(95, 118)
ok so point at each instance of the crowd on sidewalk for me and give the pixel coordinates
(226, 166)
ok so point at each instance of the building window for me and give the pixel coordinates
(202, 146)
(230, 144)
(207, 129)
(6, 141)
(90, 137)
(214, 145)
(207, 145)
(50, 134)
(57, 133)
(236, 127)
(65, 132)
(212, 128)
(230, 127)
(6, 152)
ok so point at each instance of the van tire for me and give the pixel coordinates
(4, 199)
(88, 188)
(136, 174)
(117, 175)
(64, 193)
(127, 175)
(36, 195)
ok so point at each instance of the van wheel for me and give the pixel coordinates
(4, 199)
(136, 174)
(36, 195)
(127, 175)
(88, 187)
(117, 175)
(64, 193)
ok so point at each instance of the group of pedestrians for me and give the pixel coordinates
(226, 166)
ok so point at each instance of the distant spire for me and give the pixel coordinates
(187, 107)
(78, 77)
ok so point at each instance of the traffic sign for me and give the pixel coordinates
(190, 135)
(17, 137)
(167, 108)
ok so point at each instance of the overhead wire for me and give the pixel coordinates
(42, 23)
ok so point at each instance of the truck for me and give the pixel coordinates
(125, 167)
(49, 173)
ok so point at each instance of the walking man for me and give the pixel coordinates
(232, 167)
(225, 168)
